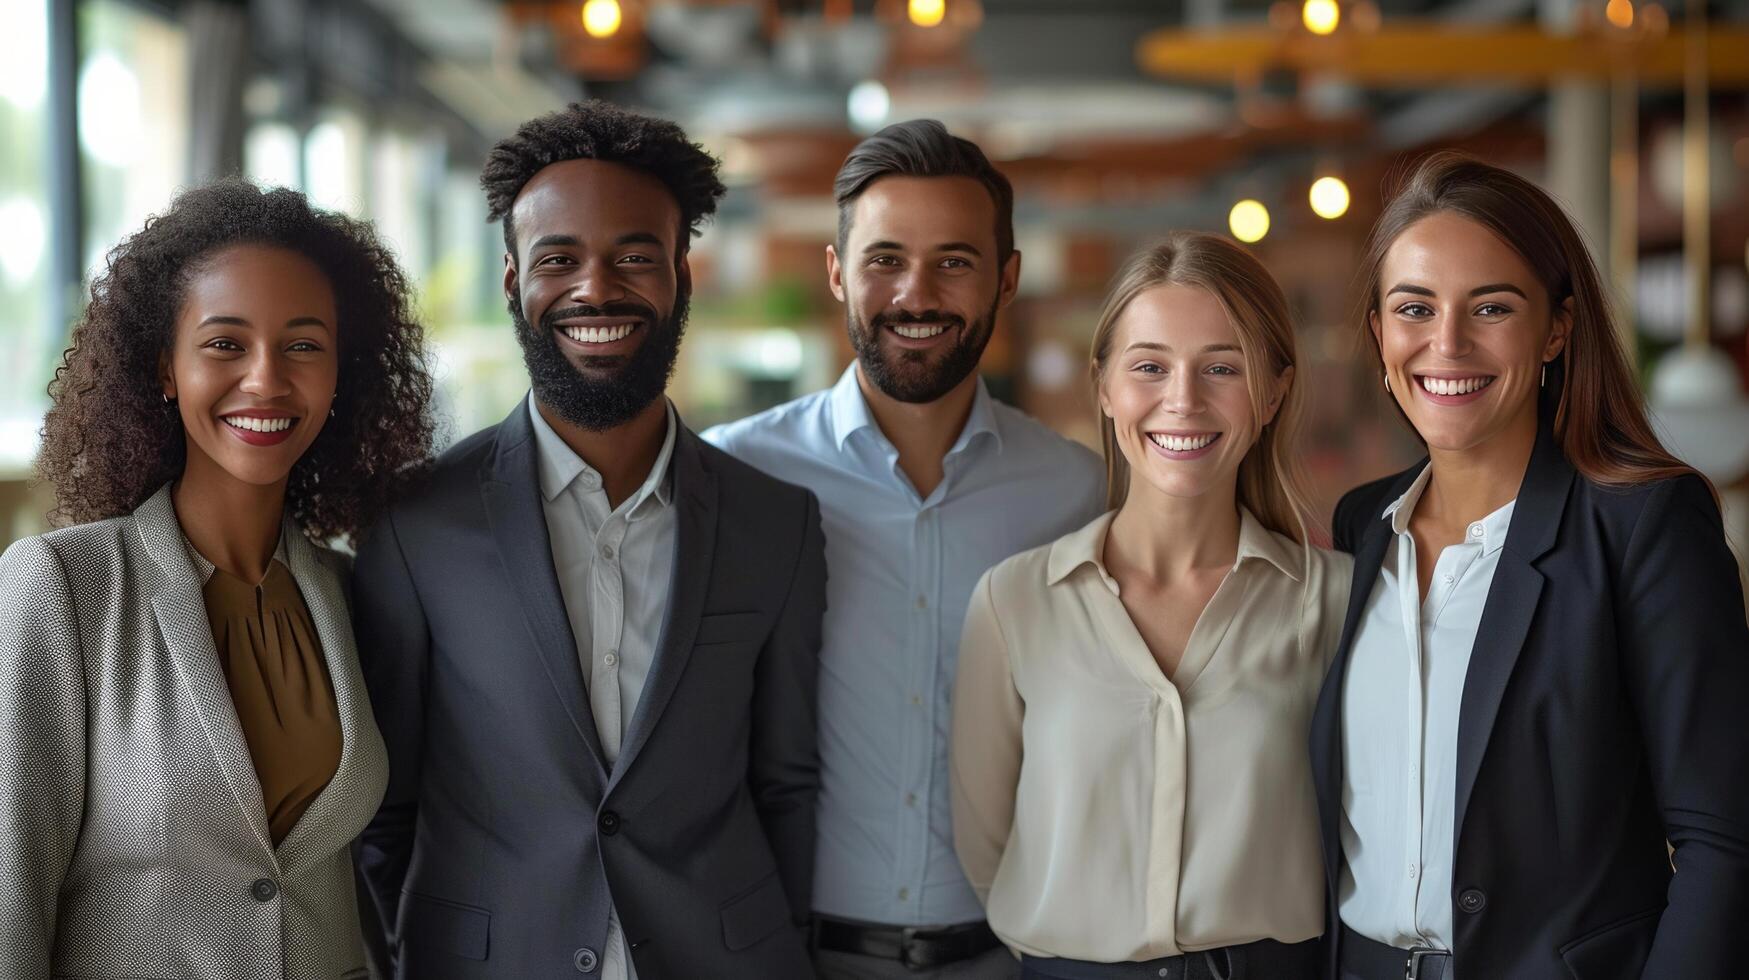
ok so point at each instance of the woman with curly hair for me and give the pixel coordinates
(186, 746)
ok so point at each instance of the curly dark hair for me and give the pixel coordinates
(597, 130)
(110, 441)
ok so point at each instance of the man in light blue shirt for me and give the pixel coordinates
(924, 482)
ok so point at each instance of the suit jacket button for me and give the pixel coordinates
(264, 890)
(1472, 900)
(586, 960)
(609, 823)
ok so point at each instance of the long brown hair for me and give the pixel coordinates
(1271, 483)
(1600, 415)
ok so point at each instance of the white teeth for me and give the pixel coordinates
(258, 425)
(1182, 444)
(916, 332)
(599, 335)
(1455, 386)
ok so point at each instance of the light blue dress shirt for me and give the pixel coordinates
(901, 570)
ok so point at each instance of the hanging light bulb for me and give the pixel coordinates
(1321, 16)
(1620, 13)
(926, 13)
(601, 18)
(1329, 198)
(1249, 221)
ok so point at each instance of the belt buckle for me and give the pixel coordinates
(907, 936)
(1417, 956)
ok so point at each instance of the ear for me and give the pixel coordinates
(834, 273)
(1560, 328)
(1372, 324)
(683, 275)
(1010, 279)
(166, 380)
(1283, 382)
(510, 279)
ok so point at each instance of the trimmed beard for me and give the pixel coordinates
(908, 378)
(598, 404)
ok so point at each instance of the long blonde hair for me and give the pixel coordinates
(1271, 483)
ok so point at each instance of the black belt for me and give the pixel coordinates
(1373, 960)
(916, 948)
(1264, 959)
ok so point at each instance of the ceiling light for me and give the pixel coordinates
(1620, 13)
(869, 104)
(1249, 221)
(1321, 16)
(926, 13)
(601, 18)
(1329, 197)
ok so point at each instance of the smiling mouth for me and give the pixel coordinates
(1183, 443)
(1453, 386)
(251, 423)
(918, 331)
(609, 334)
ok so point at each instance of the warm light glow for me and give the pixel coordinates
(1249, 221)
(926, 13)
(1329, 197)
(601, 18)
(1620, 13)
(1321, 16)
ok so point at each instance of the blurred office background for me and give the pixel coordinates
(1276, 122)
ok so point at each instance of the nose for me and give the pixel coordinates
(916, 290)
(1180, 395)
(595, 284)
(1451, 336)
(266, 375)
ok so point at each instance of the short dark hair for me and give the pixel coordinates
(597, 130)
(110, 440)
(922, 148)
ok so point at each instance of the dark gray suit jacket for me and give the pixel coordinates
(505, 838)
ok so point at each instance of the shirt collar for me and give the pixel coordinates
(1489, 532)
(850, 413)
(206, 568)
(1087, 547)
(560, 466)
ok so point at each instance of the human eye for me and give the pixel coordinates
(636, 259)
(884, 261)
(1223, 370)
(1147, 368)
(1493, 309)
(553, 260)
(305, 347)
(223, 345)
(955, 262)
(1414, 310)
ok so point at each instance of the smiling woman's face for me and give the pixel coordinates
(254, 361)
(1464, 329)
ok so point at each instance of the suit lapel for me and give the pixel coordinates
(694, 552)
(1511, 605)
(510, 488)
(188, 636)
(335, 814)
(1326, 738)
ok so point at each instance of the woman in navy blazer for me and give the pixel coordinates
(1530, 754)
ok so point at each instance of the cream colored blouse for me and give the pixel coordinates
(1103, 812)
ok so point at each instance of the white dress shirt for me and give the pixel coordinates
(1111, 813)
(615, 568)
(901, 572)
(1400, 702)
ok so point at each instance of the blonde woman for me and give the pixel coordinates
(1132, 795)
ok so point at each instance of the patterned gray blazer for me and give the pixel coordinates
(133, 838)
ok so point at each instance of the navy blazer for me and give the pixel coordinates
(505, 838)
(1603, 714)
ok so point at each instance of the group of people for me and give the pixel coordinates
(889, 681)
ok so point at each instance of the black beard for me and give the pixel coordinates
(908, 377)
(607, 402)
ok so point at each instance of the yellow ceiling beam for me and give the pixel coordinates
(1411, 53)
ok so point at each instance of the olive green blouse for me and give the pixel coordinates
(273, 663)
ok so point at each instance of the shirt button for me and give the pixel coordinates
(922, 603)
(904, 894)
(264, 890)
(917, 699)
(585, 960)
(610, 658)
(608, 822)
(1475, 530)
(1165, 971)
(1411, 871)
(910, 799)
(1448, 579)
(607, 551)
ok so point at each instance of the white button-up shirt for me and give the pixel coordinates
(615, 568)
(901, 572)
(1400, 702)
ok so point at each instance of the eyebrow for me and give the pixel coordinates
(1493, 287)
(1210, 349)
(630, 238)
(891, 246)
(237, 321)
